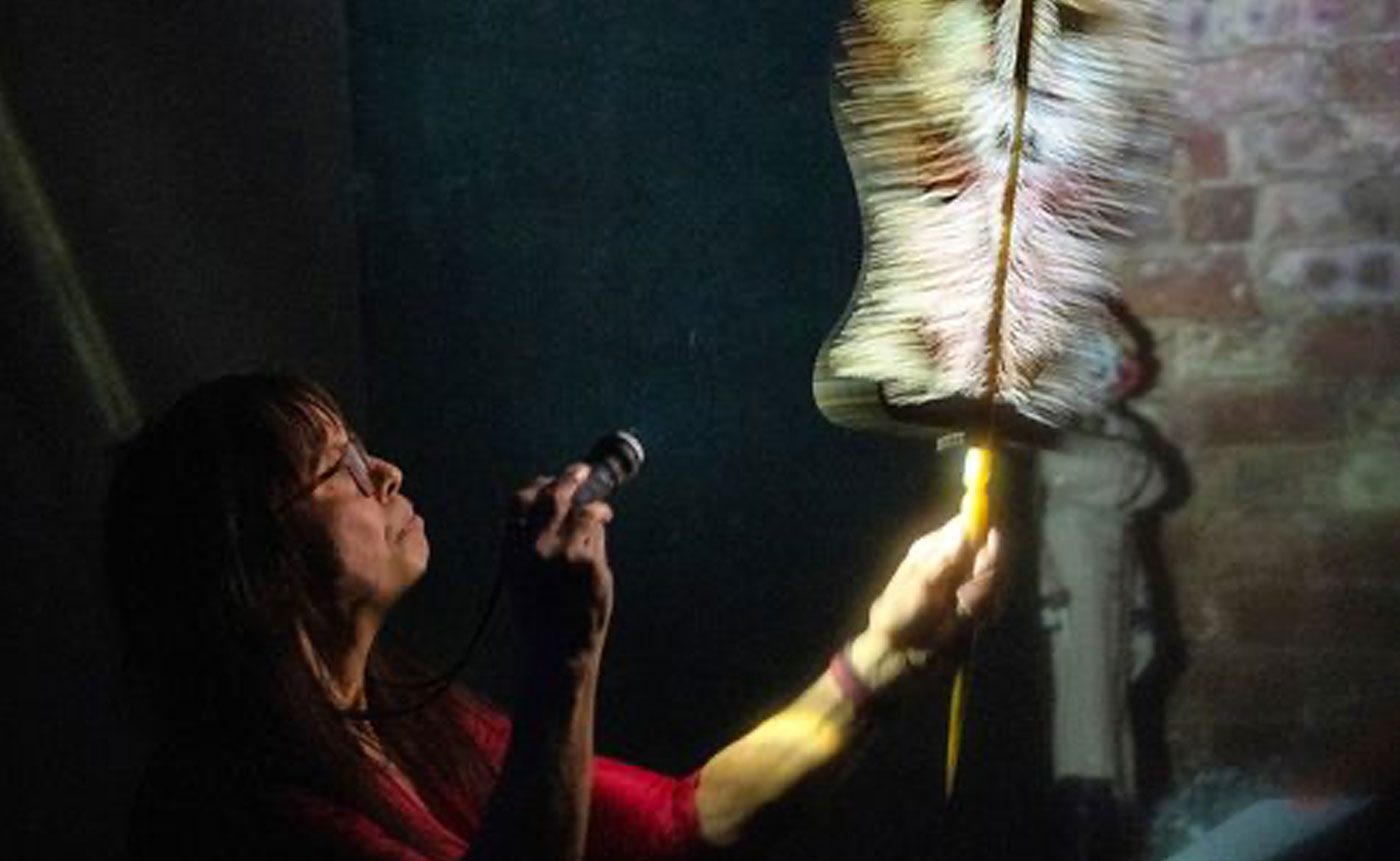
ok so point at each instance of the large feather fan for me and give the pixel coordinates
(993, 147)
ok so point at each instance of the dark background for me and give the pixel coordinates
(497, 229)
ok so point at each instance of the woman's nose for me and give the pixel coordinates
(388, 478)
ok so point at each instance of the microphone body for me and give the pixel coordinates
(613, 461)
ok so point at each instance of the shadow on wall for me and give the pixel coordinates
(1150, 690)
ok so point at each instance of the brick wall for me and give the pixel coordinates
(1272, 288)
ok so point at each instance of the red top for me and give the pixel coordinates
(636, 815)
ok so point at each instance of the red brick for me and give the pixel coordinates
(1351, 616)
(1374, 206)
(1257, 416)
(1306, 139)
(1212, 545)
(1155, 222)
(1244, 682)
(1374, 415)
(1340, 19)
(1216, 26)
(1366, 72)
(1355, 344)
(1256, 80)
(1353, 703)
(1270, 483)
(1375, 135)
(1207, 152)
(1367, 479)
(1267, 612)
(1287, 477)
(1310, 211)
(1344, 277)
(1219, 351)
(1207, 27)
(1264, 21)
(1200, 284)
(1211, 582)
(1239, 707)
(1220, 214)
(1319, 139)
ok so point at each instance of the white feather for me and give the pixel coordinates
(926, 101)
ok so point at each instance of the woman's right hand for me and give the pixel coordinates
(556, 567)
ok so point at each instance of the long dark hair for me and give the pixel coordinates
(215, 596)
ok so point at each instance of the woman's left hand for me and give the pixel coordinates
(944, 586)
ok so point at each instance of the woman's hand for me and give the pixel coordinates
(944, 587)
(753, 784)
(557, 567)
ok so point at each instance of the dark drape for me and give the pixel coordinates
(176, 180)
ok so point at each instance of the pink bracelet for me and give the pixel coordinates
(853, 688)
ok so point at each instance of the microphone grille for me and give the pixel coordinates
(622, 451)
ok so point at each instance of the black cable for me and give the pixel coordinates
(436, 685)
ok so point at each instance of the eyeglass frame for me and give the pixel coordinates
(354, 460)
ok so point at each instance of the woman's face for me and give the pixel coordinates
(375, 543)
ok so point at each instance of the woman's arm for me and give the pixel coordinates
(940, 590)
(558, 574)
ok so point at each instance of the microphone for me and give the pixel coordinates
(614, 459)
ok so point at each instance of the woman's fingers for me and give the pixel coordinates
(550, 524)
(545, 508)
(988, 555)
(979, 595)
(553, 501)
(945, 582)
(583, 532)
(523, 499)
(975, 598)
(557, 557)
(942, 548)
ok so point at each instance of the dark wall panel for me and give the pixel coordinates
(196, 158)
(577, 217)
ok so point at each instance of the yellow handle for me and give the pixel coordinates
(957, 707)
(977, 475)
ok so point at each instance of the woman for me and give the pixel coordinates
(254, 549)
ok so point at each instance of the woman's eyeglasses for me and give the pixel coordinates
(354, 460)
